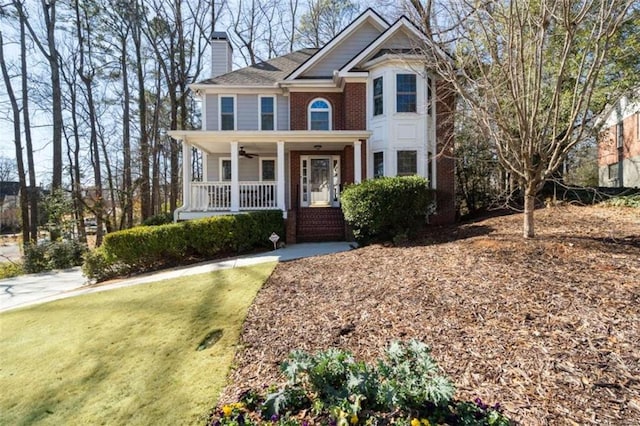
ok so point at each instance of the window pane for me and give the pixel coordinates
(267, 121)
(226, 105)
(226, 169)
(320, 104)
(407, 163)
(406, 93)
(319, 120)
(268, 170)
(226, 122)
(378, 164)
(377, 96)
(266, 105)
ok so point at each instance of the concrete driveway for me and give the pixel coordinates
(32, 289)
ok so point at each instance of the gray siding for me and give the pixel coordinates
(283, 113)
(399, 40)
(247, 111)
(211, 104)
(248, 168)
(344, 52)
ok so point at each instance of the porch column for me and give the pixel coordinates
(357, 161)
(186, 175)
(235, 185)
(280, 168)
(205, 171)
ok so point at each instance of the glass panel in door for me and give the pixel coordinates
(320, 181)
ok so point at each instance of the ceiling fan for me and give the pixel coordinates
(245, 154)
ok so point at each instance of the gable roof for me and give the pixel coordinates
(368, 15)
(266, 73)
(376, 48)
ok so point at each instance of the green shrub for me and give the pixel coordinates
(331, 387)
(387, 208)
(53, 255)
(100, 267)
(144, 247)
(148, 247)
(623, 201)
(10, 269)
(159, 219)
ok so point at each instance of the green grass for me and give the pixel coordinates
(125, 356)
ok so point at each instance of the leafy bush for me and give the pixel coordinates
(10, 269)
(331, 387)
(623, 201)
(53, 255)
(159, 219)
(145, 248)
(387, 208)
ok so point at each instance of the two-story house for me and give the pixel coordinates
(619, 144)
(291, 132)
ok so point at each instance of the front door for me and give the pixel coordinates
(320, 181)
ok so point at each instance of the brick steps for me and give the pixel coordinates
(320, 224)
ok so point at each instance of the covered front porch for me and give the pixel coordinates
(252, 170)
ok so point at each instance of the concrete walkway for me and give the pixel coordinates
(32, 289)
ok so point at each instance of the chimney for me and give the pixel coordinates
(221, 54)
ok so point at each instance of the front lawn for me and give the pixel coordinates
(126, 356)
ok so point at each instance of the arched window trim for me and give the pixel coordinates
(329, 110)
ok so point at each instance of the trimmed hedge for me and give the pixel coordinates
(389, 208)
(146, 248)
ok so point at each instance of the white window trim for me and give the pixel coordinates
(373, 91)
(275, 112)
(220, 170)
(235, 111)
(309, 112)
(395, 91)
(275, 168)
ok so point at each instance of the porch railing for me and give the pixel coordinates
(216, 196)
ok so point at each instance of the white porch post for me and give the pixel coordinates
(357, 161)
(186, 175)
(235, 185)
(280, 169)
(205, 169)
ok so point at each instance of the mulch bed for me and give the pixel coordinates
(549, 327)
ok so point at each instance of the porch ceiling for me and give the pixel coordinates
(264, 141)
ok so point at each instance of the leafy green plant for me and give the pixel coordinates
(10, 269)
(387, 208)
(406, 388)
(53, 255)
(158, 219)
(623, 201)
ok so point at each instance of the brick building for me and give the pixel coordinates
(291, 132)
(619, 145)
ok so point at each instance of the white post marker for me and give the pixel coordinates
(274, 239)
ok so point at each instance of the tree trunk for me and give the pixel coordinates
(127, 190)
(33, 190)
(529, 207)
(24, 207)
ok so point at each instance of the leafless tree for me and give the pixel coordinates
(528, 71)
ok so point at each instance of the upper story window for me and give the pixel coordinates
(267, 113)
(227, 113)
(319, 115)
(620, 135)
(406, 93)
(377, 96)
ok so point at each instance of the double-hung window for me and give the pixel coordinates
(267, 169)
(319, 115)
(225, 169)
(405, 92)
(407, 163)
(267, 113)
(227, 113)
(378, 105)
(378, 164)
